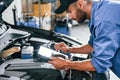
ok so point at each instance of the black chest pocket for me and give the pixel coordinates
(92, 30)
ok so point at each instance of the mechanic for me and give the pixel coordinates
(104, 42)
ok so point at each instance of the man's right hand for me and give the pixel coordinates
(62, 47)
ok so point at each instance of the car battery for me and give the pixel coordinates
(27, 52)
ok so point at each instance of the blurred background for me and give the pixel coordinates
(40, 14)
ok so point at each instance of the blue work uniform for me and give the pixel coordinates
(104, 27)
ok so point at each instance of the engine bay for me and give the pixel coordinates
(21, 58)
(20, 52)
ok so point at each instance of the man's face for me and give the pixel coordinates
(76, 13)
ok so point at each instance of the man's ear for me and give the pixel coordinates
(80, 4)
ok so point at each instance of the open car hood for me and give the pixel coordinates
(4, 4)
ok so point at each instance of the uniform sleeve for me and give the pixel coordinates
(105, 45)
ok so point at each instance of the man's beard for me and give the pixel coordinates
(81, 15)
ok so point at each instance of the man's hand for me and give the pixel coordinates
(62, 47)
(58, 63)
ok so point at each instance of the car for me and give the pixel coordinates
(20, 46)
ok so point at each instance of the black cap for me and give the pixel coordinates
(64, 4)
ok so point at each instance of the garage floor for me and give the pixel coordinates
(81, 32)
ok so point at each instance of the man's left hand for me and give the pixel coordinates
(59, 63)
